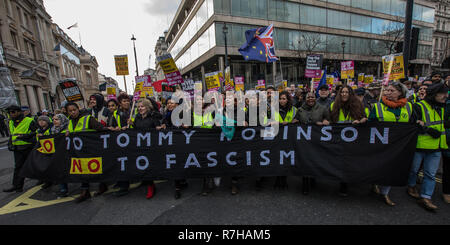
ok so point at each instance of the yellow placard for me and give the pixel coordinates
(86, 165)
(47, 146)
(121, 65)
(212, 80)
(168, 66)
(361, 77)
(147, 91)
(330, 79)
(368, 79)
(393, 66)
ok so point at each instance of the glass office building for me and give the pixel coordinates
(369, 29)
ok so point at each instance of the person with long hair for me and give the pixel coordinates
(285, 115)
(347, 109)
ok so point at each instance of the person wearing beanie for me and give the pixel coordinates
(393, 107)
(436, 77)
(21, 142)
(45, 126)
(430, 142)
(98, 109)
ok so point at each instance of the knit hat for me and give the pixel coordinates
(44, 118)
(436, 88)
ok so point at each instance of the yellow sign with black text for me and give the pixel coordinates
(121, 65)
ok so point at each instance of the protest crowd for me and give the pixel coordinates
(425, 104)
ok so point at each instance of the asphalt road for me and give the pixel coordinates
(267, 207)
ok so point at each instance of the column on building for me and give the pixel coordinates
(202, 70)
(32, 100)
(40, 95)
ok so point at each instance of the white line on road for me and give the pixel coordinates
(3, 148)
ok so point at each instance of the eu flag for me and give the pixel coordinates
(259, 45)
(323, 81)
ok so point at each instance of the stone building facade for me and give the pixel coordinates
(39, 54)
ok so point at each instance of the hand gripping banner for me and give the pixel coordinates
(374, 153)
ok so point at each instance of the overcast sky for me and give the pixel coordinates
(106, 27)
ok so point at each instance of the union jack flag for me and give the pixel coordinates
(260, 45)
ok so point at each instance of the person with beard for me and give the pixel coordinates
(324, 96)
(347, 109)
(436, 77)
(98, 109)
(22, 139)
(373, 94)
(393, 108)
(430, 142)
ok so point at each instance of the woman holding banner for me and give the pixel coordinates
(285, 115)
(145, 122)
(311, 113)
(393, 107)
(346, 109)
(82, 123)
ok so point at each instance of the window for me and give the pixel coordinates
(14, 40)
(339, 20)
(334, 44)
(8, 7)
(292, 11)
(313, 16)
(222, 6)
(360, 46)
(382, 6)
(417, 12)
(362, 4)
(361, 23)
(398, 8)
(428, 14)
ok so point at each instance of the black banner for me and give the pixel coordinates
(375, 153)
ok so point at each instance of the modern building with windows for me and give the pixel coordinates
(359, 30)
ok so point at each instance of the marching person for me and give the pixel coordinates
(60, 123)
(373, 94)
(180, 184)
(360, 92)
(144, 122)
(45, 127)
(324, 96)
(311, 112)
(82, 123)
(393, 108)
(98, 109)
(285, 115)
(346, 109)
(21, 142)
(420, 95)
(430, 142)
(203, 121)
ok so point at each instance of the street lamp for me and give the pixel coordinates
(225, 32)
(343, 50)
(135, 56)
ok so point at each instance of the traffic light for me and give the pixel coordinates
(414, 44)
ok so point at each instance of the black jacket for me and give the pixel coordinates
(146, 123)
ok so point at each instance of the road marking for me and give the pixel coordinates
(24, 202)
(3, 148)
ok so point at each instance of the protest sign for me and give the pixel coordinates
(171, 72)
(313, 66)
(393, 67)
(261, 84)
(212, 81)
(71, 90)
(368, 79)
(111, 91)
(336, 152)
(347, 69)
(121, 62)
(239, 83)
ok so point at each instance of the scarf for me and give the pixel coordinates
(64, 123)
(394, 104)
